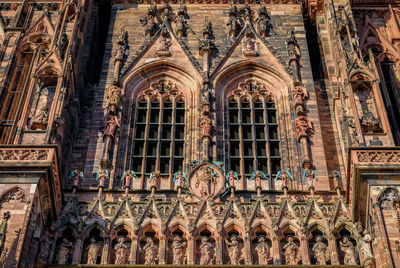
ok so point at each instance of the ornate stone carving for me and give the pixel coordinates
(93, 251)
(321, 252)
(77, 177)
(365, 246)
(349, 251)
(39, 121)
(3, 229)
(378, 156)
(263, 21)
(113, 98)
(367, 109)
(121, 252)
(285, 176)
(291, 252)
(62, 46)
(14, 195)
(155, 179)
(231, 177)
(64, 251)
(23, 154)
(178, 250)
(249, 44)
(206, 45)
(179, 179)
(207, 181)
(258, 176)
(206, 126)
(234, 22)
(234, 250)
(110, 124)
(181, 23)
(150, 252)
(263, 251)
(45, 244)
(299, 95)
(304, 127)
(162, 49)
(127, 177)
(102, 177)
(293, 51)
(206, 251)
(309, 175)
(148, 22)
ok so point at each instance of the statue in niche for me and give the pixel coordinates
(93, 251)
(263, 251)
(205, 126)
(181, 22)
(303, 126)
(206, 251)
(349, 251)
(291, 252)
(263, 22)
(365, 246)
(178, 250)
(299, 94)
(179, 178)
(148, 22)
(205, 180)
(40, 120)
(233, 23)
(40, 109)
(164, 44)
(45, 243)
(249, 44)
(113, 98)
(121, 251)
(64, 250)
(293, 51)
(367, 111)
(205, 92)
(110, 124)
(234, 251)
(231, 177)
(320, 250)
(154, 179)
(150, 252)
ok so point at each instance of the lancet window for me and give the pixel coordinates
(253, 130)
(159, 130)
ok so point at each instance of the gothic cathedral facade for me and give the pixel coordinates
(199, 132)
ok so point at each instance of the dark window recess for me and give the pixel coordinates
(152, 149)
(166, 132)
(164, 166)
(178, 164)
(153, 132)
(179, 132)
(150, 165)
(235, 149)
(178, 149)
(248, 149)
(275, 165)
(259, 116)
(261, 149)
(165, 148)
(140, 131)
(246, 116)
(180, 116)
(271, 117)
(138, 148)
(142, 116)
(234, 132)
(274, 148)
(262, 164)
(154, 115)
(235, 164)
(247, 132)
(167, 116)
(233, 116)
(137, 165)
(260, 133)
(248, 166)
(273, 132)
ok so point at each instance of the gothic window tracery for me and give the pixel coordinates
(159, 130)
(253, 129)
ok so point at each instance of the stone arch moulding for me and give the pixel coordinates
(186, 81)
(279, 85)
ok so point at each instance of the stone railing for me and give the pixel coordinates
(24, 154)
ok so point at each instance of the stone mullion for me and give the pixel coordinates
(266, 138)
(134, 250)
(160, 118)
(77, 251)
(191, 250)
(305, 254)
(162, 250)
(219, 245)
(241, 143)
(275, 249)
(146, 135)
(253, 134)
(172, 146)
(332, 246)
(247, 245)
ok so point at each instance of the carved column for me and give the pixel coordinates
(77, 251)
(305, 255)
(134, 250)
(247, 245)
(275, 250)
(219, 245)
(191, 250)
(162, 250)
(333, 249)
(105, 250)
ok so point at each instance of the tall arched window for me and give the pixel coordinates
(252, 130)
(159, 130)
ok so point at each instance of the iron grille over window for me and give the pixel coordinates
(252, 130)
(159, 130)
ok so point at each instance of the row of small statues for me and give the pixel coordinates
(290, 251)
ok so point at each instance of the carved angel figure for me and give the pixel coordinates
(303, 126)
(179, 179)
(263, 251)
(101, 177)
(150, 252)
(249, 44)
(77, 177)
(93, 251)
(263, 22)
(320, 250)
(231, 177)
(234, 250)
(285, 176)
(291, 252)
(121, 252)
(365, 246)
(309, 175)
(349, 251)
(128, 176)
(206, 251)
(64, 250)
(113, 97)
(178, 250)
(258, 175)
(205, 126)
(154, 179)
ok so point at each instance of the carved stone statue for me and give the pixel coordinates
(102, 177)
(231, 178)
(3, 229)
(113, 98)
(128, 176)
(320, 250)
(309, 175)
(64, 250)
(155, 179)
(93, 251)
(148, 22)
(263, 22)
(204, 180)
(249, 44)
(285, 176)
(40, 120)
(365, 246)
(205, 126)
(291, 252)
(178, 250)
(299, 94)
(180, 179)
(45, 243)
(234, 250)
(110, 124)
(263, 251)
(121, 252)
(304, 127)
(164, 44)
(349, 251)
(150, 252)
(233, 22)
(206, 251)
(292, 46)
